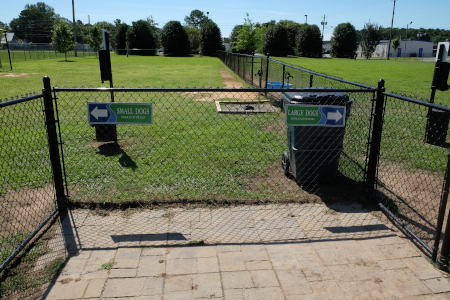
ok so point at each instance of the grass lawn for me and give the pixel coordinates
(132, 71)
(191, 150)
(406, 77)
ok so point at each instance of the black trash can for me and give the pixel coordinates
(437, 127)
(314, 151)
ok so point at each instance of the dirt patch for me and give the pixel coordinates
(282, 186)
(230, 83)
(278, 127)
(414, 197)
(23, 210)
(16, 74)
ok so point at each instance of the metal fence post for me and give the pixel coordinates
(441, 216)
(54, 147)
(311, 77)
(267, 69)
(376, 139)
(251, 74)
(238, 65)
(282, 82)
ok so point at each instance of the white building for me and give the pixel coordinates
(407, 48)
(10, 36)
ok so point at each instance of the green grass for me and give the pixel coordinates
(23, 278)
(190, 152)
(409, 77)
(108, 265)
(132, 71)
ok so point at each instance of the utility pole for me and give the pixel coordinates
(390, 34)
(323, 25)
(406, 39)
(74, 28)
(306, 21)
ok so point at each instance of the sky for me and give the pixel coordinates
(227, 14)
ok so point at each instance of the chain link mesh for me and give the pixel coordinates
(412, 165)
(223, 145)
(27, 198)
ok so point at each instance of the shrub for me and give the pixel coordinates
(140, 36)
(210, 38)
(121, 39)
(174, 39)
(276, 41)
(309, 41)
(344, 42)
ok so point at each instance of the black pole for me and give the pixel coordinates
(253, 56)
(267, 69)
(434, 84)
(311, 77)
(9, 54)
(441, 216)
(376, 139)
(282, 82)
(54, 147)
(74, 28)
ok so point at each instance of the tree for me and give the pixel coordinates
(110, 28)
(155, 30)
(35, 23)
(174, 39)
(309, 41)
(344, 41)
(140, 36)
(292, 30)
(370, 38)
(276, 41)
(63, 38)
(95, 38)
(4, 26)
(210, 38)
(121, 39)
(249, 37)
(194, 38)
(395, 45)
(195, 19)
(233, 38)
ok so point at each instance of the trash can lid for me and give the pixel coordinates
(318, 98)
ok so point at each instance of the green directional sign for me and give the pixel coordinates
(314, 115)
(119, 113)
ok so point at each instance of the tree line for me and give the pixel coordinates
(38, 23)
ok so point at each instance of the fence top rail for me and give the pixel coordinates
(247, 90)
(325, 76)
(419, 102)
(309, 71)
(20, 100)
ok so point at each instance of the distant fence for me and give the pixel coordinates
(28, 52)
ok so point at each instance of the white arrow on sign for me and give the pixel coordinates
(99, 113)
(336, 116)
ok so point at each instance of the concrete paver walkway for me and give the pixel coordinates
(292, 251)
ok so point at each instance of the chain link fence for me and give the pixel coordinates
(409, 149)
(412, 166)
(27, 54)
(204, 145)
(29, 251)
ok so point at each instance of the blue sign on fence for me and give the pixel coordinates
(119, 113)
